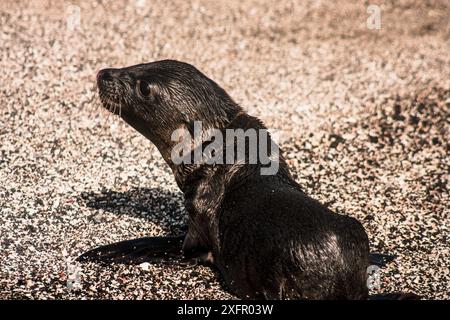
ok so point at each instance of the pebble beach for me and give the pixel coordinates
(361, 114)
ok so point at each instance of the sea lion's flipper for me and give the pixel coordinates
(380, 259)
(136, 251)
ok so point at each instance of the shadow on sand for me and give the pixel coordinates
(162, 207)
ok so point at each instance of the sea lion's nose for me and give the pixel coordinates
(105, 74)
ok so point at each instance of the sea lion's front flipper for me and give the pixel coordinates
(136, 251)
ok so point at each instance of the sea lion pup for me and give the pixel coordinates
(268, 239)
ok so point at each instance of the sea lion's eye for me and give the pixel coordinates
(144, 88)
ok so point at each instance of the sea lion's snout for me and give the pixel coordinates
(109, 76)
(105, 74)
(112, 89)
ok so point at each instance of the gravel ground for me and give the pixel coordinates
(362, 116)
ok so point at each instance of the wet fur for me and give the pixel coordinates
(267, 237)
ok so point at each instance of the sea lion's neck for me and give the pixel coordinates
(189, 175)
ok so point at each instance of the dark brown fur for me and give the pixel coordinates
(267, 238)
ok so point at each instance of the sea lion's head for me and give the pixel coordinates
(162, 98)
(159, 97)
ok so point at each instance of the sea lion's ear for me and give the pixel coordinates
(147, 89)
